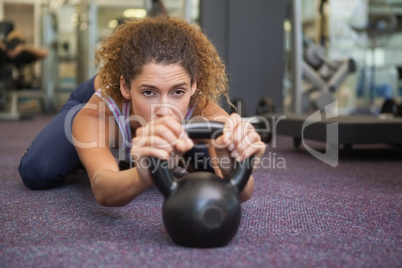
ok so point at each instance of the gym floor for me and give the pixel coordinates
(303, 213)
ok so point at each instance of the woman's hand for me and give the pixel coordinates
(239, 141)
(160, 138)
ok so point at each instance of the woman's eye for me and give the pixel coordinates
(147, 92)
(179, 92)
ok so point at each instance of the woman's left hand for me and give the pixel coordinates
(239, 141)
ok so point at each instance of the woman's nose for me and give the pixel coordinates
(164, 110)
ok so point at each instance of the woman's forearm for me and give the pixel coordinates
(247, 191)
(116, 189)
(38, 52)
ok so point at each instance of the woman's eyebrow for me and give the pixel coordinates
(148, 86)
(180, 85)
(154, 87)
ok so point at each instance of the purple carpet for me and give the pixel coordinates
(303, 213)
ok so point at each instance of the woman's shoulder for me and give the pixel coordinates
(211, 111)
(98, 105)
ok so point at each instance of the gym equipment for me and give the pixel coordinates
(201, 209)
(14, 78)
(50, 71)
(265, 106)
(6, 70)
(389, 107)
(350, 129)
(87, 38)
(323, 76)
(373, 23)
(356, 129)
(6, 27)
(399, 113)
(7, 96)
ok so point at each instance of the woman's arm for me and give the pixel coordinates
(110, 186)
(38, 52)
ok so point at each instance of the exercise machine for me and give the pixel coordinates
(326, 122)
(8, 96)
(322, 76)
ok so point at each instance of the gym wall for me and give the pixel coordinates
(249, 36)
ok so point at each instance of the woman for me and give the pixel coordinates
(154, 73)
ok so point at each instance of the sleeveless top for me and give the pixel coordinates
(122, 119)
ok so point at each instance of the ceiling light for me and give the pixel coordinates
(135, 13)
(112, 24)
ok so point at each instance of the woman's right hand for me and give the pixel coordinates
(160, 138)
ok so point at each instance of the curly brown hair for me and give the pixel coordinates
(163, 40)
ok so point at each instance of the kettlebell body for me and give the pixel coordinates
(202, 211)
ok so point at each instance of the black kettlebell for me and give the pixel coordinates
(201, 209)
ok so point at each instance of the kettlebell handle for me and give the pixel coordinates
(200, 129)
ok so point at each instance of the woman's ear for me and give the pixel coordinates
(124, 89)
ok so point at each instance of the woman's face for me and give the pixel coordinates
(159, 90)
